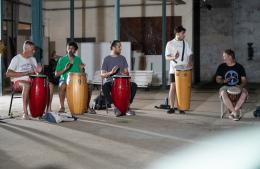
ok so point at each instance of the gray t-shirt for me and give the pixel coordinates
(109, 62)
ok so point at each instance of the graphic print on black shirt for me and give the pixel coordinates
(233, 76)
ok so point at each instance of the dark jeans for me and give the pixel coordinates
(107, 86)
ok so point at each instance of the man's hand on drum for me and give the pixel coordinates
(38, 68)
(81, 65)
(189, 65)
(114, 70)
(226, 80)
(30, 72)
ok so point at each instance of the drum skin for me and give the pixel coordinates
(77, 93)
(183, 78)
(121, 92)
(38, 95)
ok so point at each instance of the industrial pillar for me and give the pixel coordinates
(196, 41)
(37, 28)
(117, 19)
(71, 20)
(163, 44)
(1, 52)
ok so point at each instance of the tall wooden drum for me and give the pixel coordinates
(121, 92)
(183, 76)
(77, 93)
(38, 95)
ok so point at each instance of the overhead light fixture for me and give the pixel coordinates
(206, 5)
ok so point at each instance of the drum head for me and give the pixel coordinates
(182, 67)
(121, 76)
(234, 90)
(39, 75)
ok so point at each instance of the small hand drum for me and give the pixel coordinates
(234, 94)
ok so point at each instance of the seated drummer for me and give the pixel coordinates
(21, 66)
(68, 63)
(115, 64)
(231, 73)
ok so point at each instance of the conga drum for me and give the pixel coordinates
(234, 94)
(38, 95)
(77, 93)
(121, 92)
(183, 76)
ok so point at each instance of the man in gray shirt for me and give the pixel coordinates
(115, 64)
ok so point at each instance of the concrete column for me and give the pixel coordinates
(163, 43)
(1, 57)
(71, 19)
(117, 19)
(196, 41)
(37, 28)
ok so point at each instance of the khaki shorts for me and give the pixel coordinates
(225, 88)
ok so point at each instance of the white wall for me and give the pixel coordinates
(92, 54)
(99, 22)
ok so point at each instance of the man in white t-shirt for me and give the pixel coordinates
(178, 52)
(21, 67)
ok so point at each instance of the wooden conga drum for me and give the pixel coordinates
(77, 93)
(121, 92)
(183, 76)
(38, 94)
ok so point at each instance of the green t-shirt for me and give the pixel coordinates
(63, 61)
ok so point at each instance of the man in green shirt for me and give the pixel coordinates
(68, 63)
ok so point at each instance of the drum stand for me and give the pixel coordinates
(101, 91)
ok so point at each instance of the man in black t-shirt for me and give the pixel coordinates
(230, 73)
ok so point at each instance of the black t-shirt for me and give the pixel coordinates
(234, 72)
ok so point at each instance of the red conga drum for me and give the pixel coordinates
(38, 95)
(121, 92)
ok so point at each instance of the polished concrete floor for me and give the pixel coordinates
(98, 141)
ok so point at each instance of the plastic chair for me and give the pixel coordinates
(224, 110)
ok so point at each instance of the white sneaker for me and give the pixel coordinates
(117, 112)
(130, 112)
(91, 111)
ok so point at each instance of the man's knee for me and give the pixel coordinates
(25, 86)
(245, 92)
(62, 87)
(172, 85)
(223, 93)
(106, 87)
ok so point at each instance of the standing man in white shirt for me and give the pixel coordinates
(178, 52)
(21, 67)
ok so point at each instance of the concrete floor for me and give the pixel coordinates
(104, 141)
